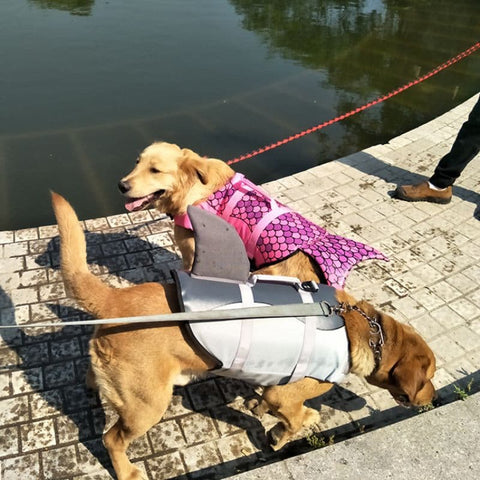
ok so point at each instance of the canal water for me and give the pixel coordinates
(85, 85)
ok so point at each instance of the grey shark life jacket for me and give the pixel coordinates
(266, 351)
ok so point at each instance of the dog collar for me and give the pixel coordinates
(377, 337)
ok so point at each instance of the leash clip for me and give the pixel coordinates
(327, 309)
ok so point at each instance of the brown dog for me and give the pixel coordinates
(169, 179)
(161, 355)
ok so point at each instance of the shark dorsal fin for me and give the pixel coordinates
(219, 250)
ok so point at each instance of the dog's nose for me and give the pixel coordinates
(124, 187)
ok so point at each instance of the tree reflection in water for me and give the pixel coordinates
(367, 48)
(75, 7)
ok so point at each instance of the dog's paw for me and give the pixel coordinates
(278, 436)
(135, 474)
(312, 417)
(257, 406)
(252, 403)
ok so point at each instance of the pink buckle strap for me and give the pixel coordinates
(184, 221)
(243, 185)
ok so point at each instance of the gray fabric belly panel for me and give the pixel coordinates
(275, 345)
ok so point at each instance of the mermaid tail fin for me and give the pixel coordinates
(337, 255)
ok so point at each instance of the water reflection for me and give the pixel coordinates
(81, 96)
(75, 7)
(368, 48)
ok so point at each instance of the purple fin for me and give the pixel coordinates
(219, 251)
(337, 255)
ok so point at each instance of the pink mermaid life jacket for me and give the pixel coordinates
(272, 232)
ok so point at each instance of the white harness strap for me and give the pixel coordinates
(308, 341)
(268, 351)
(246, 334)
(246, 331)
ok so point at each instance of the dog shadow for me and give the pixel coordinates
(54, 363)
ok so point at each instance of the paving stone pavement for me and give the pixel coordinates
(51, 425)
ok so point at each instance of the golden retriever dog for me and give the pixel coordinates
(135, 366)
(170, 179)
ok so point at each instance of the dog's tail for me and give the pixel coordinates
(87, 289)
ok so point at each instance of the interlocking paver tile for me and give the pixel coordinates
(202, 456)
(60, 462)
(119, 220)
(33, 277)
(427, 326)
(14, 410)
(48, 231)
(9, 442)
(465, 308)
(166, 466)
(140, 447)
(167, 436)
(27, 380)
(6, 237)
(59, 374)
(230, 418)
(26, 467)
(26, 234)
(5, 388)
(446, 348)
(45, 404)
(37, 435)
(466, 337)
(197, 427)
(15, 249)
(427, 298)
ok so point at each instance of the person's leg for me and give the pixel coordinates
(439, 188)
(464, 149)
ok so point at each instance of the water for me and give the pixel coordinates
(85, 85)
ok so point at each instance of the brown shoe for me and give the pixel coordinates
(423, 193)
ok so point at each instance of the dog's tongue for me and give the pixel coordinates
(134, 204)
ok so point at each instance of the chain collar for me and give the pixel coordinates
(377, 339)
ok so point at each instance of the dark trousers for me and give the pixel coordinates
(464, 149)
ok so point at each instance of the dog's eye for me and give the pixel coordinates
(136, 162)
(154, 170)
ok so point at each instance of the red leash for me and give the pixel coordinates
(433, 72)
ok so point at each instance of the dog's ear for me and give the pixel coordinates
(210, 171)
(410, 375)
(196, 165)
(189, 154)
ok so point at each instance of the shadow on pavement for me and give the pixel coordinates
(371, 165)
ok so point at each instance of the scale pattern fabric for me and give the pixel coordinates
(286, 233)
